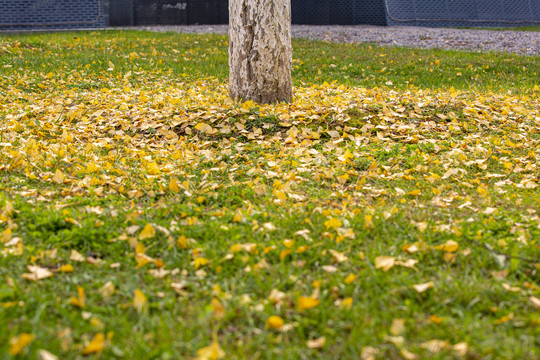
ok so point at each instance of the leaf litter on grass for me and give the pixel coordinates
(433, 162)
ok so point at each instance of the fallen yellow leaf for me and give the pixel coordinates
(76, 256)
(211, 352)
(350, 278)
(305, 303)
(148, 232)
(58, 177)
(535, 302)
(79, 301)
(65, 268)
(420, 288)
(107, 289)
(219, 310)
(274, 322)
(173, 185)
(96, 345)
(139, 301)
(6, 235)
(18, 343)
(203, 127)
(384, 262)
(398, 327)
(316, 343)
(199, 262)
(45, 355)
(449, 246)
(37, 273)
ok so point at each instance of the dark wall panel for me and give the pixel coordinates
(203, 12)
(369, 12)
(121, 13)
(338, 12)
(316, 12)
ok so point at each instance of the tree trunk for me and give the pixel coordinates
(260, 50)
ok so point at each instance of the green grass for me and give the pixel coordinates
(270, 199)
(195, 56)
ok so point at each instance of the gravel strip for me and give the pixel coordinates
(517, 42)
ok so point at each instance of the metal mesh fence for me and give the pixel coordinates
(463, 12)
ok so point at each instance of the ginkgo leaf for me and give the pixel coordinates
(338, 257)
(274, 322)
(305, 303)
(451, 172)
(80, 300)
(218, 308)
(535, 302)
(140, 302)
(173, 185)
(5, 235)
(200, 262)
(76, 256)
(436, 319)
(211, 352)
(450, 246)
(107, 289)
(316, 343)
(45, 355)
(58, 177)
(65, 268)
(96, 345)
(203, 127)
(37, 273)
(420, 288)
(397, 327)
(18, 343)
(142, 260)
(368, 221)
(435, 346)
(384, 262)
(350, 279)
(345, 303)
(461, 348)
(148, 232)
(238, 217)
(407, 355)
(369, 353)
(140, 248)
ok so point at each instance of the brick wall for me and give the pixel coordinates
(51, 14)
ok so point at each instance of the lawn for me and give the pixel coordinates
(392, 211)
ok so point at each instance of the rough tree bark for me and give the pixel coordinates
(260, 51)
